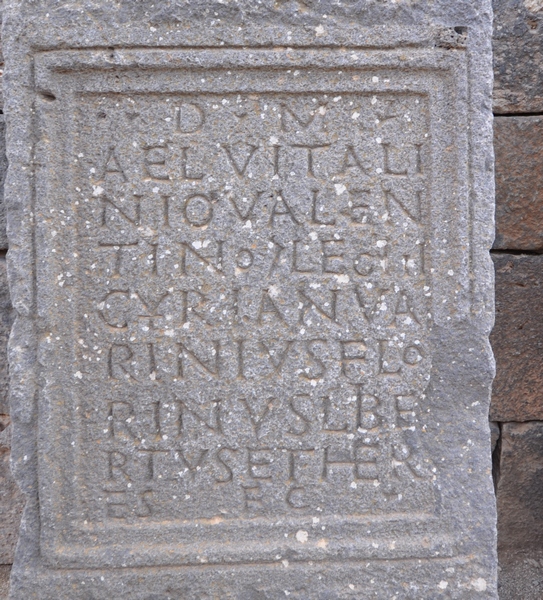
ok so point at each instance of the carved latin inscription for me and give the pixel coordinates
(254, 308)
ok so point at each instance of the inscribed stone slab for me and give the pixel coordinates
(249, 257)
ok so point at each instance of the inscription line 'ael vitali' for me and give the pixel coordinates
(253, 289)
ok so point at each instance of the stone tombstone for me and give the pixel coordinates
(249, 259)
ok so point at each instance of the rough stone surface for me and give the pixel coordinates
(519, 171)
(3, 161)
(6, 321)
(4, 581)
(520, 494)
(253, 298)
(519, 576)
(3, 169)
(11, 499)
(517, 338)
(518, 56)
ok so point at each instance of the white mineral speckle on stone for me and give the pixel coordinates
(442, 585)
(319, 30)
(340, 188)
(302, 536)
(479, 585)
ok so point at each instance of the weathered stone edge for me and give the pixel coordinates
(21, 273)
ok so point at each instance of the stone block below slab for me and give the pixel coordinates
(517, 338)
(520, 489)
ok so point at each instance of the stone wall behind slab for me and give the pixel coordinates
(517, 339)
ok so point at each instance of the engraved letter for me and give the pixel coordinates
(210, 366)
(353, 359)
(310, 149)
(112, 166)
(119, 356)
(189, 118)
(301, 122)
(240, 166)
(351, 161)
(155, 162)
(308, 303)
(184, 166)
(281, 209)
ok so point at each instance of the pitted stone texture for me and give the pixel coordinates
(520, 575)
(519, 170)
(517, 338)
(4, 581)
(6, 321)
(11, 499)
(517, 42)
(3, 169)
(253, 348)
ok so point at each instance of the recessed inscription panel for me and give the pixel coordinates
(252, 284)
(256, 305)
